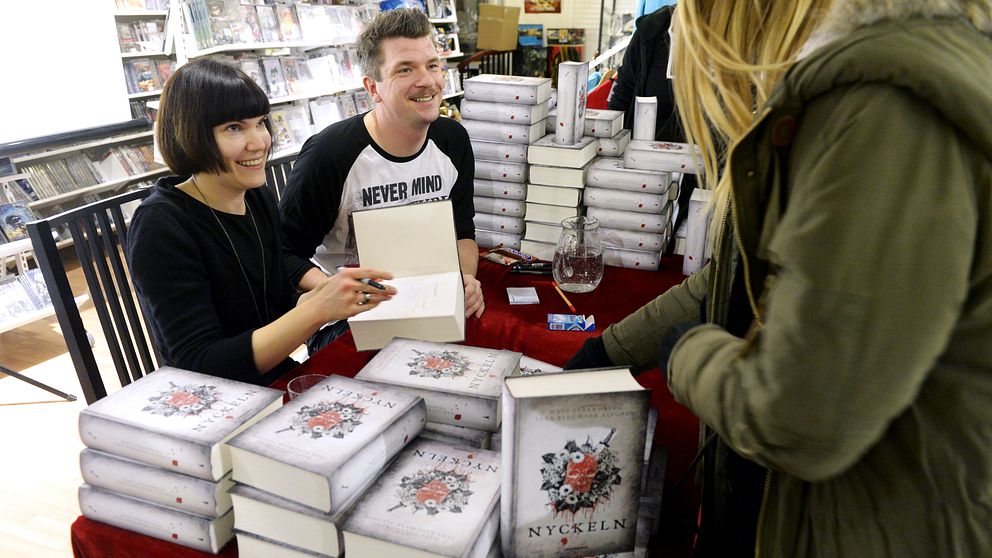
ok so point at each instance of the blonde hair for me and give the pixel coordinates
(727, 58)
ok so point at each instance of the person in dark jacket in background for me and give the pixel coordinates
(205, 250)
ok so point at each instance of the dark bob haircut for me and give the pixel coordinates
(197, 97)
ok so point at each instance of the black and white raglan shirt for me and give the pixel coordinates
(342, 170)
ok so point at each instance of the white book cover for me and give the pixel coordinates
(547, 151)
(508, 89)
(513, 113)
(645, 118)
(553, 214)
(503, 132)
(603, 123)
(492, 239)
(633, 240)
(499, 206)
(543, 232)
(614, 147)
(543, 250)
(530, 366)
(499, 151)
(572, 453)
(609, 172)
(154, 484)
(435, 498)
(500, 189)
(501, 223)
(559, 176)
(657, 223)
(283, 521)
(461, 385)
(631, 259)
(662, 156)
(430, 299)
(554, 195)
(697, 241)
(253, 546)
(322, 447)
(503, 171)
(573, 78)
(202, 533)
(639, 202)
(176, 419)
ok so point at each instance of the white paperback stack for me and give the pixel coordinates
(558, 164)
(503, 115)
(300, 469)
(156, 462)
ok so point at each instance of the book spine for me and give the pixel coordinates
(504, 93)
(645, 118)
(366, 463)
(603, 128)
(631, 259)
(613, 147)
(491, 239)
(187, 529)
(481, 413)
(500, 151)
(499, 206)
(572, 83)
(503, 112)
(501, 171)
(697, 229)
(499, 189)
(647, 182)
(661, 161)
(623, 200)
(500, 223)
(160, 486)
(498, 131)
(631, 221)
(632, 240)
(182, 456)
(509, 469)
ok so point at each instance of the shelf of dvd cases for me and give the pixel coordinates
(58, 153)
(145, 54)
(140, 14)
(144, 94)
(242, 47)
(98, 188)
(314, 94)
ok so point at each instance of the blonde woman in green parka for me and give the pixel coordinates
(844, 356)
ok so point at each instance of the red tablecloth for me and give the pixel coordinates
(521, 328)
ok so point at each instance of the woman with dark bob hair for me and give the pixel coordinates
(205, 248)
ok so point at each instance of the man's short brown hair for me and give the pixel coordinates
(409, 23)
(199, 96)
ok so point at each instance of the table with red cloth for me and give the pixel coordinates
(521, 328)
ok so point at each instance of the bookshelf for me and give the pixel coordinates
(144, 33)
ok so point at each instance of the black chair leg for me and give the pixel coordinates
(36, 383)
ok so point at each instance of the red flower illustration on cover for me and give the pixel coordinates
(185, 401)
(578, 477)
(438, 364)
(326, 418)
(434, 491)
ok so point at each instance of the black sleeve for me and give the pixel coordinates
(459, 148)
(168, 267)
(622, 94)
(310, 202)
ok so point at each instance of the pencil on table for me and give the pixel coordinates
(563, 297)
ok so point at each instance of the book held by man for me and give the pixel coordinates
(177, 420)
(322, 447)
(461, 385)
(572, 453)
(430, 299)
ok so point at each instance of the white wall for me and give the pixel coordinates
(575, 14)
(60, 68)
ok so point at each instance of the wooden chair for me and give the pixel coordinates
(277, 174)
(99, 234)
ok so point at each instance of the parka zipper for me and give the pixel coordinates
(717, 257)
(755, 309)
(761, 513)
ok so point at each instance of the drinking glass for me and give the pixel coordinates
(578, 261)
(302, 383)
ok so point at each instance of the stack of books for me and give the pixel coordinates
(298, 471)
(503, 115)
(634, 211)
(155, 460)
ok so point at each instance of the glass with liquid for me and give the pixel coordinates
(578, 262)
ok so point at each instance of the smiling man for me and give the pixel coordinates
(398, 153)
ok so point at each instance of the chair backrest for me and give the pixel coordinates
(99, 234)
(277, 174)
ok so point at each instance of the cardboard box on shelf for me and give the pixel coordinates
(497, 27)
